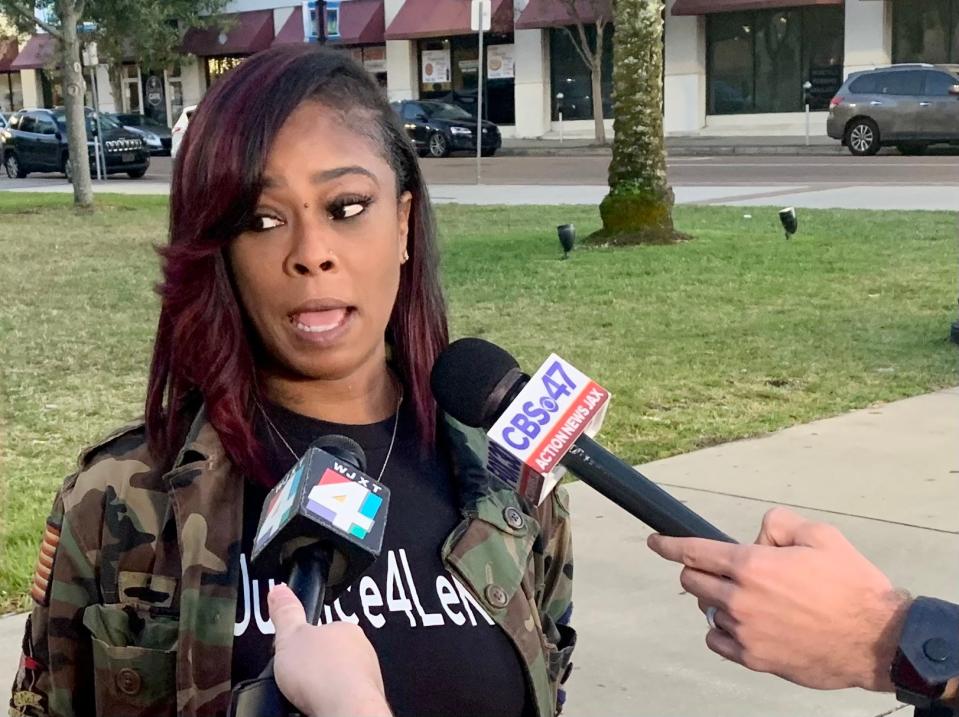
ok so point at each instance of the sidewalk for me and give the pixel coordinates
(887, 476)
(682, 147)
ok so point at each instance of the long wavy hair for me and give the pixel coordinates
(205, 351)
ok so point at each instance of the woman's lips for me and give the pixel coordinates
(320, 322)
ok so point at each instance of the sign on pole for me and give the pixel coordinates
(481, 9)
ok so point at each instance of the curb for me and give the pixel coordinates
(704, 151)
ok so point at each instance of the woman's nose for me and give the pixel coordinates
(312, 250)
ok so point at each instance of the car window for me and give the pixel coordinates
(907, 82)
(189, 115)
(867, 84)
(45, 125)
(411, 111)
(27, 123)
(938, 84)
(14, 121)
(443, 110)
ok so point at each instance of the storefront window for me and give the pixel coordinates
(449, 71)
(758, 61)
(926, 31)
(11, 92)
(570, 76)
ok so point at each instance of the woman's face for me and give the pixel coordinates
(319, 268)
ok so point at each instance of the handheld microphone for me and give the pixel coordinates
(476, 381)
(324, 522)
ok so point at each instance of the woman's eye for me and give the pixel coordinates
(348, 208)
(265, 222)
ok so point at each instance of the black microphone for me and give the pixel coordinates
(324, 523)
(475, 381)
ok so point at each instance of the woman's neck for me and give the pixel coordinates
(365, 397)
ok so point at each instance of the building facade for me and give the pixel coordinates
(731, 66)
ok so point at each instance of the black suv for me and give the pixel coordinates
(36, 141)
(438, 128)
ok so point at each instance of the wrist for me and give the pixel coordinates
(890, 619)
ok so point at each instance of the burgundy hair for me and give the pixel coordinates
(205, 351)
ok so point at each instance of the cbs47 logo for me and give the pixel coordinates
(530, 418)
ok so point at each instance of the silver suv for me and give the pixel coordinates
(909, 106)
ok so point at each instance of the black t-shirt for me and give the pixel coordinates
(440, 653)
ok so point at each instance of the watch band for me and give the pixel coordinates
(928, 654)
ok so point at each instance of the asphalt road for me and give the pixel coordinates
(683, 171)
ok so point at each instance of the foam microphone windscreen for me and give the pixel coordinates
(468, 380)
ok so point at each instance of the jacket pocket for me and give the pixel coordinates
(559, 657)
(134, 661)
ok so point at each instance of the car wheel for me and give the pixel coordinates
(137, 173)
(862, 137)
(67, 169)
(439, 146)
(913, 149)
(489, 152)
(12, 165)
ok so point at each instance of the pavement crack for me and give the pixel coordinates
(810, 507)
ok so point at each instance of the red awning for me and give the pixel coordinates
(362, 22)
(292, 32)
(38, 52)
(248, 32)
(8, 53)
(556, 13)
(443, 18)
(707, 7)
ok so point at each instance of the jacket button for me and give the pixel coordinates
(496, 596)
(128, 681)
(513, 518)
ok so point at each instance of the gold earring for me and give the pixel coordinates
(406, 257)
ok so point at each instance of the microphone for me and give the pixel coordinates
(476, 382)
(324, 522)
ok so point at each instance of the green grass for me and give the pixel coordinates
(734, 334)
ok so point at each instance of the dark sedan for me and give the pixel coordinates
(156, 135)
(438, 128)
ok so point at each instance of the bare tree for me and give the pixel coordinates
(66, 16)
(599, 14)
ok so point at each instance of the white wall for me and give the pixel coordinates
(32, 89)
(868, 34)
(193, 82)
(249, 5)
(685, 75)
(402, 74)
(107, 102)
(280, 16)
(532, 85)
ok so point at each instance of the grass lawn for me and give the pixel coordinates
(734, 334)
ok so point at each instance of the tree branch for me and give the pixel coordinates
(28, 14)
(583, 53)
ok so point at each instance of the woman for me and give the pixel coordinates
(299, 298)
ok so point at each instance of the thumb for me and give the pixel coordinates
(781, 528)
(286, 611)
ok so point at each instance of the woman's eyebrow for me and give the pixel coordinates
(326, 175)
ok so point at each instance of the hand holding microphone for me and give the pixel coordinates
(325, 671)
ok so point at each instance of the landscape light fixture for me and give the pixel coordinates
(567, 238)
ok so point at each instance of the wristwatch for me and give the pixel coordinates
(927, 656)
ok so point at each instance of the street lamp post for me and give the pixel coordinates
(321, 22)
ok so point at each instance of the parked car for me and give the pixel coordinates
(438, 128)
(907, 106)
(183, 121)
(36, 141)
(156, 135)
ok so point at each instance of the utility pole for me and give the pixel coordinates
(321, 22)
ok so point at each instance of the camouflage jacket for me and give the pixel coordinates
(137, 582)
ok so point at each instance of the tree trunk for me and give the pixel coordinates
(639, 207)
(73, 91)
(596, 76)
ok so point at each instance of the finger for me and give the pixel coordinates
(706, 555)
(780, 527)
(723, 644)
(709, 588)
(286, 610)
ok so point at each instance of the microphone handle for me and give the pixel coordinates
(309, 576)
(635, 493)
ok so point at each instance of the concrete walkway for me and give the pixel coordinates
(887, 476)
(815, 196)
